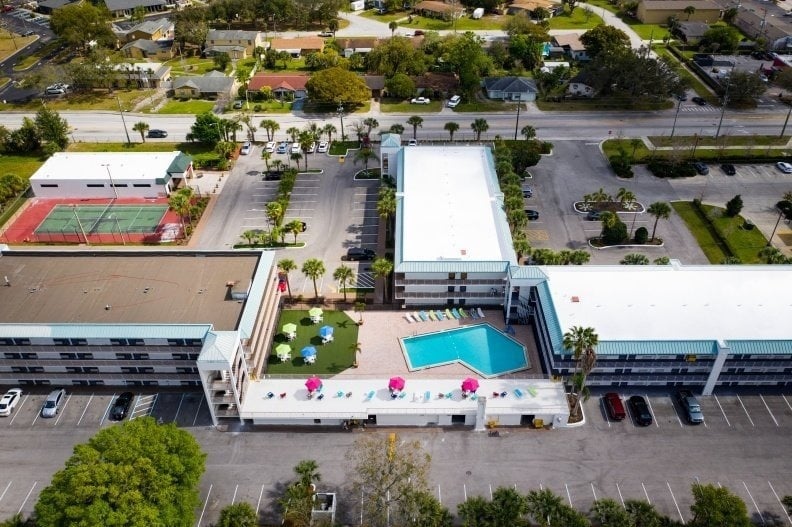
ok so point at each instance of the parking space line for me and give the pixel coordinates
(107, 410)
(787, 402)
(177, 416)
(768, 410)
(621, 498)
(569, 496)
(646, 493)
(464, 491)
(602, 408)
(675, 503)
(490, 491)
(203, 510)
(759, 512)
(258, 503)
(195, 419)
(9, 485)
(721, 409)
(439, 494)
(746, 411)
(649, 404)
(233, 498)
(84, 410)
(26, 497)
(676, 414)
(783, 507)
(593, 491)
(60, 414)
(16, 412)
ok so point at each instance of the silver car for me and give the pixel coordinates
(52, 404)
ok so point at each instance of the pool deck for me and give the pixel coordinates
(382, 355)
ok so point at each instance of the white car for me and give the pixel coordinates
(246, 148)
(420, 100)
(270, 146)
(412, 142)
(295, 148)
(9, 401)
(454, 101)
(312, 148)
(786, 168)
(323, 147)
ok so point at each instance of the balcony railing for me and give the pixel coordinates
(446, 294)
(447, 281)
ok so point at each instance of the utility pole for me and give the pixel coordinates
(341, 115)
(676, 115)
(786, 121)
(723, 107)
(517, 122)
(780, 215)
(121, 111)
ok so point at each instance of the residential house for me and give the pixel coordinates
(361, 45)
(124, 8)
(659, 11)
(298, 47)
(436, 84)
(236, 43)
(581, 85)
(572, 46)
(212, 85)
(160, 29)
(436, 9)
(284, 87)
(375, 83)
(141, 74)
(527, 6)
(149, 49)
(758, 23)
(510, 88)
(47, 7)
(690, 32)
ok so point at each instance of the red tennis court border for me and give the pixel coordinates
(23, 228)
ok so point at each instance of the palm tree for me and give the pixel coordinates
(307, 138)
(360, 307)
(528, 132)
(370, 124)
(634, 259)
(479, 126)
(180, 203)
(343, 275)
(415, 121)
(393, 26)
(286, 266)
(295, 227)
(635, 143)
(274, 212)
(333, 25)
(308, 472)
(266, 156)
(689, 10)
(296, 156)
(544, 506)
(451, 127)
(293, 132)
(521, 245)
(329, 129)
(625, 197)
(581, 341)
(249, 236)
(314, 268)
(365, 155)
(382, 268)
(660, 210)
(247, 120)
(270, 127)
(396, 129)
(386, 207)
(142, 127)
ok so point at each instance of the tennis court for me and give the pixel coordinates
(102, 219)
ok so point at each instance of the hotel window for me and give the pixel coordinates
(140, 185)
(451, 276)
(95, 185)
(140, 356)
(49, 185)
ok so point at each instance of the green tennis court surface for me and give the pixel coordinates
(97, 219)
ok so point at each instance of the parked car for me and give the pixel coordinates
(121, 406)
(527, 192)
(323, 147)
(28, 33)
(295, 148)
(699, 100)
(614, 406)
(52, 404)
(282, 148)
(594, 215)
(311, 148)
(237, 105)
(54, 91)
(412, 142)
(326, 34)
(420, 100)
(355, 254)
(9, 401)
(691, 407)
(784, 167)
(246, 148)
(640, 410)
(532, 214)
(728, 169)
(270, 146)
(454, 101)
(701, 168)
(418, 33)
(273, 175)
(157, 134)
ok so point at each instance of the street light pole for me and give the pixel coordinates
(786, 121)
(341, 115)
(723, 108)
(770, 239)
(121, 111)
(676, 115)
(517, 122)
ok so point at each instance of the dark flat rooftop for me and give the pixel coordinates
(141, 287)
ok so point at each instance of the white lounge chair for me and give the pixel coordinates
(408, 318)
(480, 312)
(310, 359)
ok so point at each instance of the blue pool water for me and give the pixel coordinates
(481, 348)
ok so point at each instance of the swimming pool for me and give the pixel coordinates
(480, 347)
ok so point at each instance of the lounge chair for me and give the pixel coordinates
(339, 394)
(449, 395)
(531, 390)
(518, 392)
(481, 313)
(370, 395)
(449, 315)
(402, 395)
(270, 395)
(473, 313)
(473, 397)
(440, 315)
(432, 315)
(408, 318)
(321, 396)
(463, 313)
(423, 316)
(310, 359)
(428, 396)
(456, 313)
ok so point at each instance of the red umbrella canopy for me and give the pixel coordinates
(396, 383)
(470, 385)
(313, 384)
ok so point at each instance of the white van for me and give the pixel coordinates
(454, 101)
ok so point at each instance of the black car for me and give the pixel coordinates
(594, 215)
(359, 254)
(701, 168)
(699, 100)
(728, 169)
(121, 406)
(532, 214)
(640, 410)
(157, 134)
(273, 175)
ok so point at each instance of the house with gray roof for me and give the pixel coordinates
(47, 7)
(510, 88)
(238, 44)
(210, 86)
(149, 49)
(122, 8)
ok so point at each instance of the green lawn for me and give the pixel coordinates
(270, 106)
(192, 106)
(692, 80)
(494, 22)
(698, 227)
(646, 31)
(137, 146)
(485, 106)
(390, 106)
(22, 165)
(386, 18)
(191, 66)
(87, 101)
(728, 140)
(704, 153)
(30, 60)
(579, 19)
(601, 103)
(339, 148)
(331, 358)
(604, 4)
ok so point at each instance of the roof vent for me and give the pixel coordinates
(575, 299)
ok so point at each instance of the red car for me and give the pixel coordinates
(614, 406)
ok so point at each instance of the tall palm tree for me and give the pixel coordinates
(178, 202)
(344, 275)
(382, 268)
(370, 123)
(286, 266)
(295, 227)
(415, 121)
(689, 10)
(293, 132)
(332, 25)
(528, 132)
(393, 26)
(314, 268)
(581, 341)
(274, 212)
(365, 155)
(329, 129)
(296, 156)
(386, 207)
(479, 126)
(249, 236)
(625, 197)
(266, 156)
(142, 127)
(270, 127)
(451, 127)
(307, 138)
(660, 210)
(308, 472)
(396, 129)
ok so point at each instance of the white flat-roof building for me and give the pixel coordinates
(111, 174)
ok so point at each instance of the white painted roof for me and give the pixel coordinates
(90, 166)
(636, 302)
(549, 398)
(449, 206)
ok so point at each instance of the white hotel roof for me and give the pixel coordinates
(451, 206)
(90, 166)
(549, 398)
(718, 302)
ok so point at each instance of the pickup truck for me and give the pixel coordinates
(691, 407)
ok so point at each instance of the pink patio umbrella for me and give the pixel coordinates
(470, 385)
(396, 384)
(313, 384)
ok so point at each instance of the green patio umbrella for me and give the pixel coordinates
(282, 349)
(290, 328)
(315, 312)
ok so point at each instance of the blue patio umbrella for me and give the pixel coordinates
(325, 331)
(308, 351)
